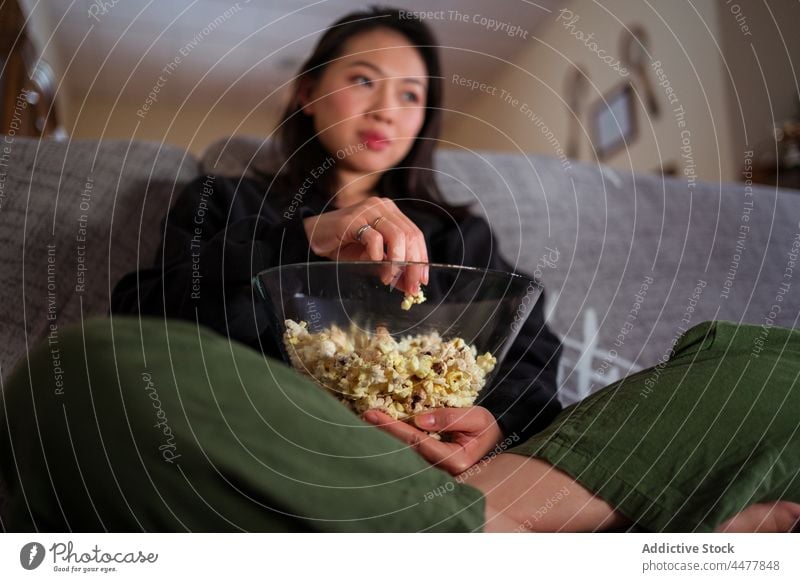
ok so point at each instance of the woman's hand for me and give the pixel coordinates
(472, 431)
(395, 238)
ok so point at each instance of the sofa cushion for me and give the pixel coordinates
(631, 261)
(74, 217)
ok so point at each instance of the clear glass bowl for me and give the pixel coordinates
(483, 307)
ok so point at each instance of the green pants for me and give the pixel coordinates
(163, 426)
(689, 443)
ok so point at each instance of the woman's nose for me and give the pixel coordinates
(383, 106)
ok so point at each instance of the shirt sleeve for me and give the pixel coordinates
(216, 237)
(522, 395)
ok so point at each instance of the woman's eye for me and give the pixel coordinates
(362, 80)
(411, 96)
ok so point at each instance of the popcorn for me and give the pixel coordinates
(401, 378)
(415, 299)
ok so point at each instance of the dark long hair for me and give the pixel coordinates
(296, 140)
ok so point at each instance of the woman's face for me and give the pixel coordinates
(369, 105)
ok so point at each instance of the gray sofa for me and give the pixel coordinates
(629, 261)
(621, 255)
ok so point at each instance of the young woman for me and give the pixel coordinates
(358, 139)
(165, 425)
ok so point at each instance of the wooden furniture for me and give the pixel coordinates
(27, 83)
(772, 176)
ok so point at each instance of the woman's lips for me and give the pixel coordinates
(374, 140)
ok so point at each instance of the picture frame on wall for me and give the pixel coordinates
(613, 121)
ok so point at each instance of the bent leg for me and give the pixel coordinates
(529, 495)
(153, 425)
(690, 445)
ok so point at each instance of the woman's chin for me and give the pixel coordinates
(371, 161)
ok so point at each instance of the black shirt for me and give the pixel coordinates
(218, 220)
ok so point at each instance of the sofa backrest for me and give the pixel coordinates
(629, 261)
(74, 217)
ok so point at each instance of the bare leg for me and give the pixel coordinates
(528, 494)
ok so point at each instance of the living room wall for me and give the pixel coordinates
(764, 61)
(722, 38)
(683, 36)
(91, 113)
(193, 125)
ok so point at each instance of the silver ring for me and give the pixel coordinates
(360, 232)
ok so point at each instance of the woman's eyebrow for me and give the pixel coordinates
(378, 70)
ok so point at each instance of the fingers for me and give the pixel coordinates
(472, 420)
(416, 276)
(417, 252)
(394, 237)
(373, 241)
(402, 239)
(386, 422)
(410, 435)
(405, 242)
(448, 456)
(397, 428)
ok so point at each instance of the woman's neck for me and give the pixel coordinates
(354, 187)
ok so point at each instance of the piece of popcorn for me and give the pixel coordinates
(412, 299)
